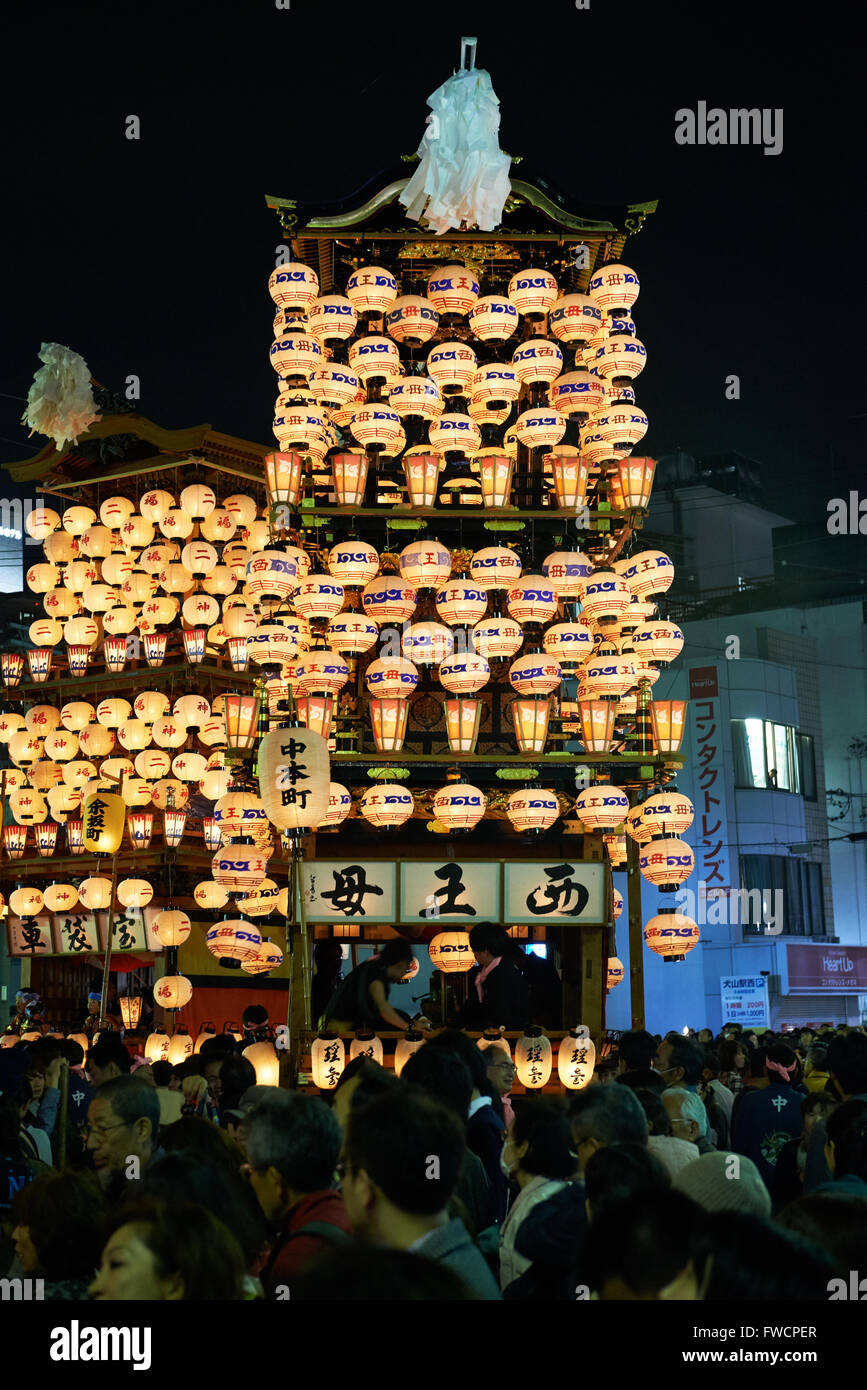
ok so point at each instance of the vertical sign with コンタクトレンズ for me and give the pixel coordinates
(346, 890)
(453, 891)
(711, 822)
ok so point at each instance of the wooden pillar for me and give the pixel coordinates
(636, 933)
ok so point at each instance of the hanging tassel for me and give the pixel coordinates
(60, 401)
(462, 179)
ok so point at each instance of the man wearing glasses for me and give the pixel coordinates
(122, 1131)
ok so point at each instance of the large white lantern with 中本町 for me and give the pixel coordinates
(294, 778)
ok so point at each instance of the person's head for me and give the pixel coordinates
(642, 1249)
(742, 1257)
(237, 1075)
(72, 1051)
(93, 1003)
(56, 1223)
(213, 1067)
(605, 1115)
(847, 1063)
(806, 1037)
(194, 1134)
(475, 1060)
(190, 1175)
(658, 1123)
(159, 1253)
(636, 1050)
(816, 1059)
(539, 1142)
(162, 1073)
(816, 1106)
(732, 1055)
(686, 1113)
(836, 1224)
(123, 1121)
(619, 1171)
(781, 1065)
(107, 1060)
(705, 1036)
(488, 941)
(441, 1075)
(362, 1078)
(365, 1273)
(397, 957)
(499, 1069)
(328, 958)
(644, 1080)
(680, 1061)
(292, 1148)
(846, 1147)
(724, 1182)
(254, 1020)
(403, 1155)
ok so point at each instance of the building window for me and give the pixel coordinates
(807, 766)
(766, 755)
(799, 885)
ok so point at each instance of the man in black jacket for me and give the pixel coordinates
(497, 994)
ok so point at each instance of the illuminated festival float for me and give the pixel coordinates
(391, 674)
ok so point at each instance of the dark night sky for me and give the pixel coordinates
(151, 257)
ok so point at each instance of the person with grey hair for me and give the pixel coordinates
(293, 1144)
(123, 1132)
(605, 1115)
(725, 1182)
(688, 1117)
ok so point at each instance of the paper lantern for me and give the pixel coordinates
(238, 653)
(318, 597)
(459, 806)
(242, 722)
(157, 1046)
(332, 318)
(408, 1044)
(497, 638)
(267, 958)
(262, 901)
(620, 356)
(263, 1056)
(40, 522)
(233, 939)
(25, 748)
(495, 567)
(452, 289)
(533, 1059)
(412, 319)
(375, 359)
(602, 806)
(39, 662)
(568, 643)
(273, 574)
(464, 673)
(452, 366)
(463, 721)
(240, 813)
(339, 806)
(140, 826)
(104, 817)
(77, 658)
(10, 723)
(60, 897)
(668, 722)
(371, 289)
(239, 867)
(536, 361)
(174, 824)
(77, 519)
(566, 570)
(532, 809)
(667, 813)
(46, 837)
(495, 476)
(605, 596)
(671, 934)
(95, 893)
(576, 1060)
(493, 389)
(388, 600)
(294, 778)
(320, 671)
(353, 562)
(180, 1048)
(388, 720)
(530, 720)
(173, 992)
(387, 805)
(608, 676)
(210, 895)
(451, 952)
(366, 1044)
(455, 434)
(597, 724)
(666, 863)
(295, 355)
(132, 735)
(540, 427)
(111, 713)
(657, 641)
(376, 427)
(26, 902)
(493, 318)
(134, 892)
(532, 292)
(615, 972)
(352, 634)
(41, 579)
(293, 286)
(75, 839)
(532, 599)
(535, 674)
(427, 643)
(12, 666)
(328, 1059)
(647, 573)
(614, 287)
(15, 840)
(416, 397)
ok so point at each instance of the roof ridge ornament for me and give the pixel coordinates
(462, 180)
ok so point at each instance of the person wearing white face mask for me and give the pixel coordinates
(538, 1155)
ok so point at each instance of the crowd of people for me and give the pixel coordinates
(691, 1167)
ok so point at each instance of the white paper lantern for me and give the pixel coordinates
(452, 289)
(614, 287)
(412, 319)
(535, 674)
(371, 289)
(391, 677)
(387, 805)
(671, 935)
(495, 567)
(532, 291)
(533, 599)
(493, 318)
(532, 809)
(459, 806)
(332, 317)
